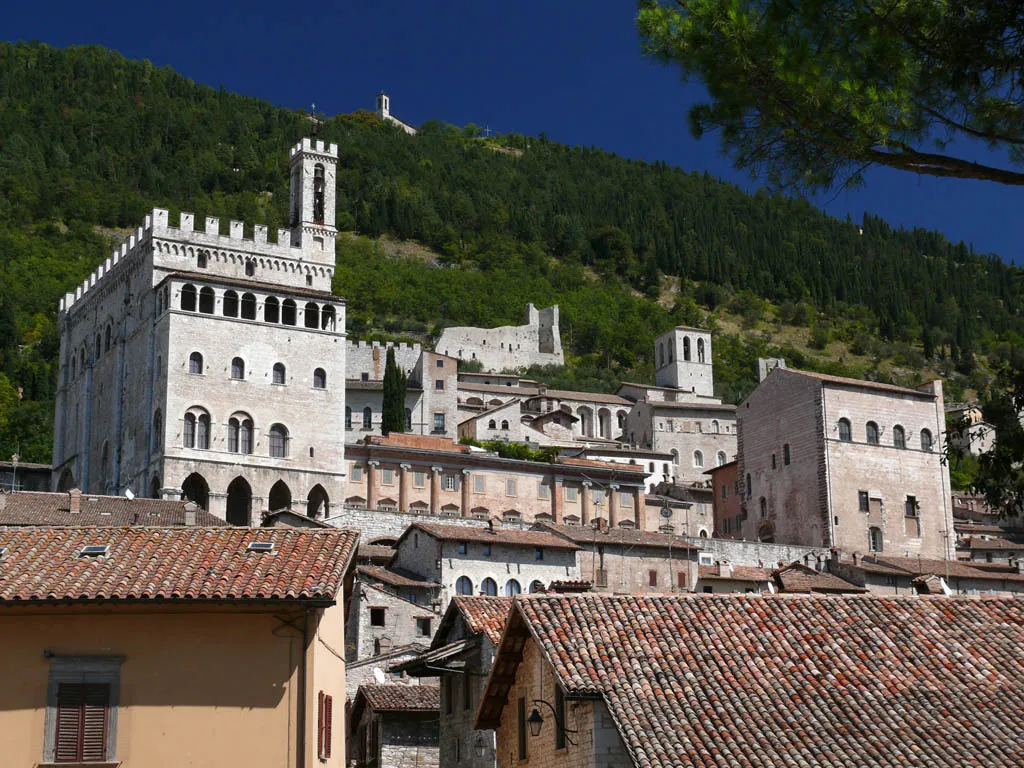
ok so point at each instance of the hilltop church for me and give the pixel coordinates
(191, 361)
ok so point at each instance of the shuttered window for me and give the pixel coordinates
(325, 711)
(81, 735)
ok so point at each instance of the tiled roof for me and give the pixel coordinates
(585, 534)
(507, 536)
(847, 382)
(401, 698)
(375, 552)
(828, 682)
(915, 566)
(38, 508)
(802, 580)
(585, 397)
(392, 578)
(990, 542)
(485, 614)
(173, 564)
(736, 573)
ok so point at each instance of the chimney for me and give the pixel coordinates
(75, 500)
(190, 512)
(724, 569)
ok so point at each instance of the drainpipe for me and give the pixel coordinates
(300, 748)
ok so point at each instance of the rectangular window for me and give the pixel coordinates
(510, 486)
(463, 548)
(422, 627)
(559, 718)
(521, 726)
(439, 422)
(911, 506)
(542, 491)
(419, 479)
(601, 577)
(387, 476)
(440, 363)
(467, 691)
(487, 550)
(725, 492)
(439, 384)
(449, 694)
(652, 578)
(862, 501)
(538, 554)
(377, 617)
(81, 711)
(773, 461)
(479, 484)
(324, 720)
(451, 482)
(571, 494)
(681, 579)
(357, 473)
(626, 499)
(598, 496)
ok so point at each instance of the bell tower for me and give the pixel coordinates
(314, 170)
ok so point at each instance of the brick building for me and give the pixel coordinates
(834, 462)
(726, 499)
(849, 662)
(394, 726)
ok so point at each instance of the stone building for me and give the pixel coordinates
(191, 360)
(834, 462)
(730, 701)
(439, 477)
(893, 575)
(508, 347)
(431, 397)
(969, 432)
(381, 620)
(24, 476)
(394, 726)
(463, 651)
(488, 561)
(727, 498)
(384, 113)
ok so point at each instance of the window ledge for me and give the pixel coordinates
(107, 764)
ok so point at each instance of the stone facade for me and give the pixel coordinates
(379, 621)
(190, 361)
(697, 435)
(834, 462)
(683, 361)
(508, 347)
(727, 495)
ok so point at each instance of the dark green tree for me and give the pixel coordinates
(395, 384)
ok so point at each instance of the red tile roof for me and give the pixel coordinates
(990, 542)
(401, 698)
(829, 682)
(585, 534)
(173, 564)
(38, 508)
(847, 382)
(799, 579)
(485, 614)
(507, 536)
(736, 573)
(392, 578)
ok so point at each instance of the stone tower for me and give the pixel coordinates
(314, 169)
(383, 106)
(683, 361)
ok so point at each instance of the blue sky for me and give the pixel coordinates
(570, 68)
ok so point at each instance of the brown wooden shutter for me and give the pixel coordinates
(81, 734)
(328, 723)
(320, 725)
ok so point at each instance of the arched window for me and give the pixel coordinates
(750, 486)
(492, 424)
(622, 420)
(196, 432)
(230, 304)
(319, 378)
(237, 368)
(158, 430)
(288, 312)
(899, 437)
(686, 348)
(99, 345)
(188, 298)
(489, 587)
(671, 353)
(700, 350)
(108, 337)
(926, 440)
(367, 418)
(272, 310)
(845, 432)
(279, 373)
(202, 259)
(240, 431)
(512, 588)
(675, 456)
(698, 459)
(536, 586)
(327, 318)
(464, 586)
(872, 433)
(189, 431)
(504, 423)
(722, 458)
(207, 299)
(311, 316)
(785, 454)
(195, 363)
(250, 267)
(348, 417)
(715, 427)
(203, 431)
(278, 441)
(763, 506)
(408, 419)
(874, 539)
(248, 306)
(319, 185)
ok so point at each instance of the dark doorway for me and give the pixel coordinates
(196, 489)
(318, 505)
(154, 487)
(67, 481)
(280, 497)
(239, 502)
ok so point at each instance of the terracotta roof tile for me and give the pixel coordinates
(485, 614)
(401, 698)
(803, 580)
(172, 564)
(38, 508)
(990, 542)
(736, 573)
(507, 536)
(829, 682)
(585, 534)
(847, 382)
(392, 578)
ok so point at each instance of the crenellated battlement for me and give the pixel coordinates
(211, 229)
(401, 346)
(308, 145)
(122, 254)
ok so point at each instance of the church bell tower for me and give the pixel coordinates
(314, 170)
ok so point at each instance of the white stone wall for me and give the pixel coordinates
(370, 359)
(508, 347)
(683, 432)
(683, 361)
(400, 626)
(479, 427)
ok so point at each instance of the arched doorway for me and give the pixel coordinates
(280, 497)
(239, 502)
(154, 487)
(67, 481)
(195, 488)
(318, 505)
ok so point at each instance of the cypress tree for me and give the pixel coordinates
(393, 415)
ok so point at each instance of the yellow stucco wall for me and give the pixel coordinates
(199, 687)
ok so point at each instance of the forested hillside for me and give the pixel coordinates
(89, 141)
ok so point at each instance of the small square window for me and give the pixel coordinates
(510, 486)
(419, 479)
(542, 491)
(479, 484)
(377, 617)
(487, 550)
(439, 384)
(423, 627)
(463, 548)
(538, 554)
(440, 363)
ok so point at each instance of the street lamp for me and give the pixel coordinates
(535, 721)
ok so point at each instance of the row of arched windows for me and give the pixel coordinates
(279, 373)
(104, 343)
(492, 424)
(197, 433)
(662, 360)
(245, 306)
(872, 435)
(489, 587)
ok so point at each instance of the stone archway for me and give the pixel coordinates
(318, 504)
(67, 481)
(154, 487)
(280, 497)
(239, 508)
(195, 488)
